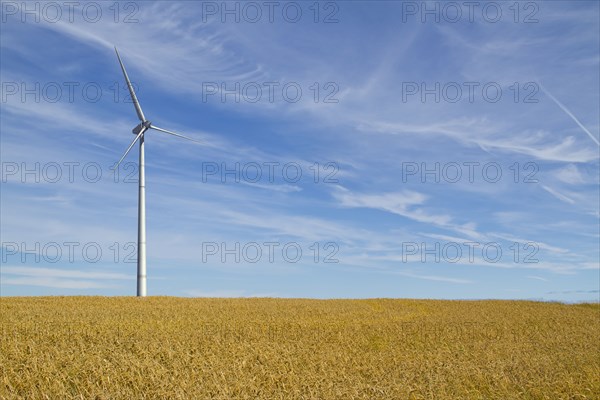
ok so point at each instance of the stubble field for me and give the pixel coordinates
(178, 348)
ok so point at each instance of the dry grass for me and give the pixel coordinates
(174, 348)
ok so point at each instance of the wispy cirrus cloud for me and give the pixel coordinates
(570, 114)
(407, 204)
(60, 278)
(435, 278)
(558, 195)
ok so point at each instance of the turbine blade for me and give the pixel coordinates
(136, 103)
(174, 134)
(139, 135)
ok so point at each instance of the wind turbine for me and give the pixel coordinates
(139, 131)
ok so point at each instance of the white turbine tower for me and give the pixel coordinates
(139, 131)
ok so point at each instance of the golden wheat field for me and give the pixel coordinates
(179, 348)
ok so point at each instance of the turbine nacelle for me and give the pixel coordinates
(142, 125)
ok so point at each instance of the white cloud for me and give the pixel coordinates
(521, 241)
(558, 195)
(60, 278)
(538, 278)
(570, 174)
(434, 278)
(401, 203)
(570, 114)
(404, 204)
(56, 283)
(489, 136)
(62, 273)
(225, 293)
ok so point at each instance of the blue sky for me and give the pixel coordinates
(457, 158)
